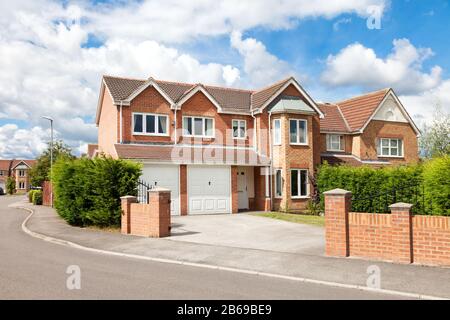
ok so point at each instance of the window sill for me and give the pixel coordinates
(334, 150)
(392, 157)
(300, 197)
(299, 144)
(150, 134)
(199, 137)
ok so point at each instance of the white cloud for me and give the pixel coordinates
(21, 143)
(47, 71)
(422, 106)
(180, 20)
(340, 22)
(260, 66)
(357, 65)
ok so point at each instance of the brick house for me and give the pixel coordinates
(220, 150)
(19, 170)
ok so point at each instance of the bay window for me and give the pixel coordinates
(277, 132)
(390, 147)
(198, 127)
(150, 124)
(298, 131)
(299, 183)
(335, 142)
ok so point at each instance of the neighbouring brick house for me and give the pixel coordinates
(19, 170)
(220, 150)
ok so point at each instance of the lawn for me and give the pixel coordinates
(297, 218)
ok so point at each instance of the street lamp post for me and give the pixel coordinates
(51, 157)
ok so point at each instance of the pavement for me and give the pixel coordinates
(31, 268)
(301, 263)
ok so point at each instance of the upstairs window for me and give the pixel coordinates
(198, 127)
(1, 173)
(150, 124)
(390, 147)
(239, 129)
(335, 142)
(21, 173)
(298, 131)
(277, 132)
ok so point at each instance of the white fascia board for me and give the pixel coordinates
(194, 91)
(152, 83)
(300, 89)
(391, 93)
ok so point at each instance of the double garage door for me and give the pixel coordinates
(208, 187)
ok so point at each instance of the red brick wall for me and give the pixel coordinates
(183, 190)
(46, 193)
(234, 190)
(147, 220)
(108, 126)
(398, 237)
(384, 129)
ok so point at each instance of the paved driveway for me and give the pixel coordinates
(247, 231)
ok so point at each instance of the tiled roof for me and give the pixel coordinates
(121, 88)
(358, 110)
(349, 159)
(261, 96)
(4, 165)
(333, 120)
(191, 155)
(7, 164)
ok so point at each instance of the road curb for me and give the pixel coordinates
(216, 267)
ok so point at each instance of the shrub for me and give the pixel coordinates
(10, 185)
(365, 182)
(30, 195)
(37, 197)
(88, 191)
(436, 177)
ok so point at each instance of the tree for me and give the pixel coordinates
(40, 172)
(435, 139)
(10, 185)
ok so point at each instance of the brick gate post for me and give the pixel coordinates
(126, 201)
(337, 207)
(401, 220)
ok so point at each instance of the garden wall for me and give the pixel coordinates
(398, 237)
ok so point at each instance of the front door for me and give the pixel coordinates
(242, 189)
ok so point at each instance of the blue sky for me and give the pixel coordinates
(53, 53)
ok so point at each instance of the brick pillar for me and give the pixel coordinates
(159, 203)
(183, 190)
(337, 207)
(126, 213)
(401, 222)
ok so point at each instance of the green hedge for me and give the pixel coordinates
(88, 191)
(37, 197)
(375, 188)
(30, 195)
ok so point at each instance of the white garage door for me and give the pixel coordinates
(166, 176)
(209, 189)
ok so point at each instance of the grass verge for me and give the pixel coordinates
(296, 218)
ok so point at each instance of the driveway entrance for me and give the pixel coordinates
(248, 231)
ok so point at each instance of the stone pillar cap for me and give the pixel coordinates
(337, 192)
(159, 189)
(401, 205)
(127, 197)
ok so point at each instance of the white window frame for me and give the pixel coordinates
(329, 142)
(144, 124)
(281, 183)
(307, 195)
(380, 148)
(203, 135)
(21, 173)
(297, 143)
(239, 122)
(21, 185)
(1, 173)
(276, 142)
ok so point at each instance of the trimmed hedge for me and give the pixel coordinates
(30, 195)
(375, 188)
(37, 197)
(88, 191)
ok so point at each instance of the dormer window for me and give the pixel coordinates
(335, 142)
